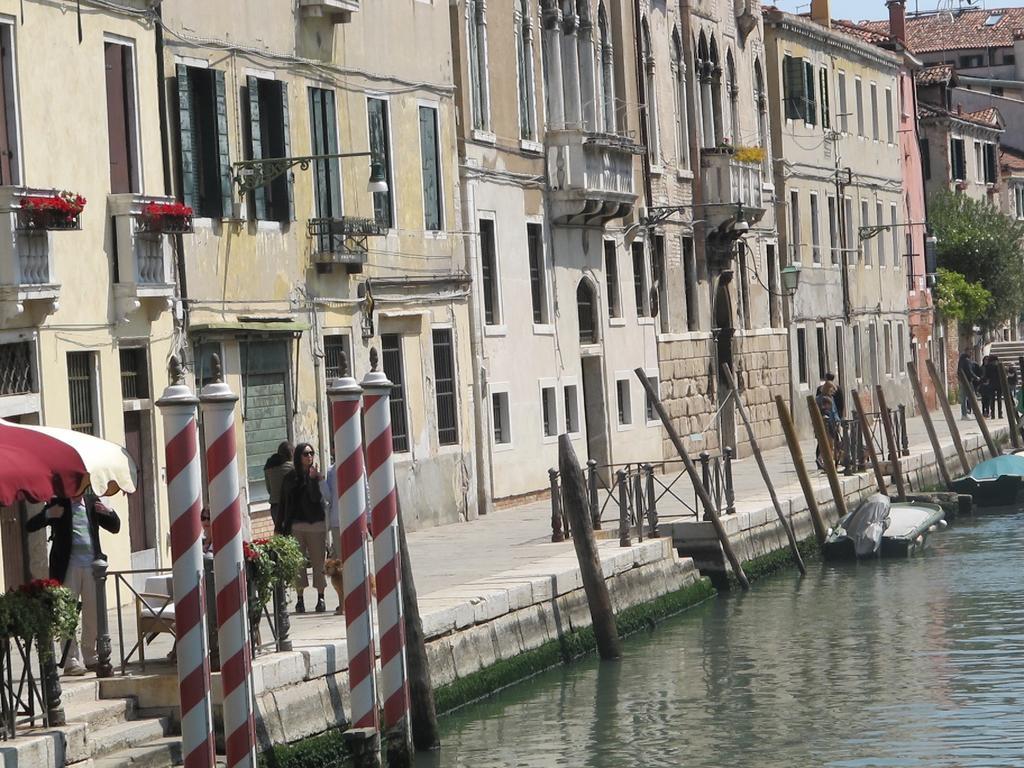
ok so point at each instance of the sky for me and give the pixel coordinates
(875, 9)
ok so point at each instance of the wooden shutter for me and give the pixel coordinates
(6, 118)
(189, 192)
(288, 182)
(259, 194)
(319, 147)
(793, 87)
(826, 105)
(117, 119)
(811, 107)
(431, 177)
(333, 166)
(223, 152)
(378, 149)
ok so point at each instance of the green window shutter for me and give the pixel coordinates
(259, 195)
(793, 87)
(378, 130)
(223, 153)
(811, 106)
(285, 128)
(318, 147)
(826, 106)
(187, 142)
(431, 177)
(333, 166)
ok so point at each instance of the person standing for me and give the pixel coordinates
(965, 368)
(302, 516)
(274, 471)
(837, 393)
(75, 545)
(995, 390)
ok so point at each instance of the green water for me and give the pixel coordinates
(916, 664)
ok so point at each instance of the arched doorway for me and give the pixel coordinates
(586, 310)
(595, 412)
(723, 332)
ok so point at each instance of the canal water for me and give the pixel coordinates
(916, 664)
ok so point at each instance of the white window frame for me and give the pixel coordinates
(652, 373)
(572, 381)
(137, 127)
(889, 118)
(867, 252)
(894, 222)
(499, 328)
(501, 389)
(393, 187)
(834, 239)
(441, 232)
(9, 24)
(548, 327)
(522, 25)
(551, 385)
(858, 98)
(794, 226)
(624, 377)
(844, 108)
(815, 214)
(803, 378)
(879, 220)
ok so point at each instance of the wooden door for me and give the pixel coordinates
(138, 519)
(14, 543)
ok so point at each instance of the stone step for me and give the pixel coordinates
(126, 735)
(159, 753)
(77, 690)
(97, 714)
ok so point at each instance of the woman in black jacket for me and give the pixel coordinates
(302, 516)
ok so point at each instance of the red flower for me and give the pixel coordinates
(159, 210)
(39, 585)
(261, 542)
(250, 552)
(65, 204)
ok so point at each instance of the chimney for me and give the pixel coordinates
(897, 21)
(821, 13)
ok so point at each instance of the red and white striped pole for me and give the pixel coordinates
(387, 561)
(184, 495)
(218, 404)
(345, 396)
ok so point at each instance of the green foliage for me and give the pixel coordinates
(959, 299)
(984, 246)
(271, 560)
(41, 610)
(327, 750)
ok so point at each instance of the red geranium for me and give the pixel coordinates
(67, 205)
(249, 551)
(173, 209)
(38, 585)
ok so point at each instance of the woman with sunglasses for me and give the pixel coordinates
(302, 516)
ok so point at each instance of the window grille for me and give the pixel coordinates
(80, 390)
(444, 387)
(391, 354)
(16, 368)
(134, 378)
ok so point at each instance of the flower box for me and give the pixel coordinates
(60, 211)
(165, 218)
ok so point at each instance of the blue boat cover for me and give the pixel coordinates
(1000, 465)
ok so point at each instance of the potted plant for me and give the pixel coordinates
(277, 560)
(51, 212)
(166, 217)
(753, 155)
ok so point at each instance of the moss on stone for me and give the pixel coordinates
(773, 562)
(327, 750)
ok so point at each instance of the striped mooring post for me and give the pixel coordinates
(218, 404)
(387, 561)
(184, 492)
(345, 396)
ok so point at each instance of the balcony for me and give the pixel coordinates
(342, 241)
(27, 275)
(142, 243)
(336, 11)
(591, 176)
(732, 190)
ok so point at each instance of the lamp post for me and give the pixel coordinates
(790, 277)
(249, 175)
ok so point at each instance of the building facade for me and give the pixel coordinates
(293, 267)
(842, 210)
(87, 301)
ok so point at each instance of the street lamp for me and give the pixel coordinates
(790, 278)
(249, 175)
(378, 180)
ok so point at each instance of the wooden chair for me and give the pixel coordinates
(154, 612)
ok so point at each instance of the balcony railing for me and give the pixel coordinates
(342, 240)
(26, 250)
(337, 11)
(732, 188)
(591, 176)
(143, 252)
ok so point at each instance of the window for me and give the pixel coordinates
(586, 311)
(887, 337)
(732, 89)
(611, 273)
(894, 233)
(822, 344)
(538, 275)
(430, 159)
(203, 137)
(690, 284)
(874, 112)
(840, 355)
(958, 159)
(901, 351)
(879, 219)
(379, 127)
(873, 350)
(549, 411)
(889, 128)
(572, 408)
(17, 366)
(121, 119)
(391, 361)
(975, 60)
(851, 243)
(658, 293)
(679, 95)
(858, 103)
(649, 96)
(650, 411)
(478, 86)
(826, 107)
(794, 226)
(1018, 193)
(833, 230)
(323, 122)
(865, 221)
(489, 273)
(844, 112)
(266, 404)
(774, 291)
(761, 105)
(606, 79)
(640, 280)
(82, 391)
(623, 401)
(134, 373)
(815, 230)
(990, 164)
(10, 157)
(799, 90)
(979, 162)
(926, 158)
(801, 355)
(444, 387)
(856, 352)
(337, 357)
(500, 419)
(267, 103)
(524, 70)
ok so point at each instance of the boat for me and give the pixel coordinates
(882, 528)
(996, 482)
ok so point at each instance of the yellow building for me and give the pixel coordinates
(86, 302)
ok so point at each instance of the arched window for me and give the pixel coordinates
(586, 308)
(476, 25)
(606, 65)
(733, 91)
(761, 105)
(585, 55)
(571, 64)
(650, 96)
(679, 94)
(705, 106)
(551, 62)
(524, 55)
(716, 94)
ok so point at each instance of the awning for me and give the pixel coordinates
(250, 326)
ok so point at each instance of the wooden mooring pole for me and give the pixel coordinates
(1011, 409)
(825, 446)
(947, 412)
(926, 417)
(865, 430)
(801, 469)
(702, 493)
(890, 440)
(577, 508)
(972, 400)
(793, 545)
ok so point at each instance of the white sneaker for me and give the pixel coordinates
(74, 668)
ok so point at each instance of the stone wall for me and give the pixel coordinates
(762, 365)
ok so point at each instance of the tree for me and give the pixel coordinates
(960, 300)
(984, 247)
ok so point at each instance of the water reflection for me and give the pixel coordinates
(916, 664)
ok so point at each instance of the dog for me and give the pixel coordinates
(332, 568)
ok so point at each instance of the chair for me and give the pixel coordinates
(154, 612)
